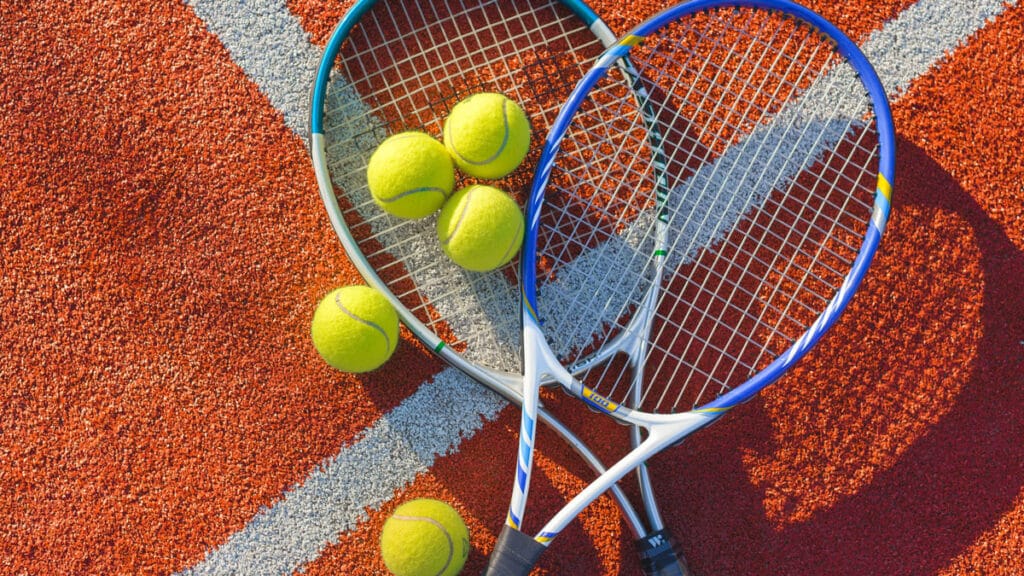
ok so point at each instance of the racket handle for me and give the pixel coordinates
(658, 555)
(514, 554)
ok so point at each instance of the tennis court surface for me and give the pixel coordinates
(163, 247)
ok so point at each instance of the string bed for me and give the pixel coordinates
(739, 186)
(403, 67)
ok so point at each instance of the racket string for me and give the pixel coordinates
(403, 66)
(792, 263)
(655, 114)
(396, 68)
(763, 221)
(745, 271)
(725, 125)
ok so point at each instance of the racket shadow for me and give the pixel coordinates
(949, 472)
(952, 483)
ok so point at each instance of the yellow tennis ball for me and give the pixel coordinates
(355, 329)
(487, 135)
(424, 537)
(480, 228)
(410, 175)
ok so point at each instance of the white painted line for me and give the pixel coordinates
(922, 35)
(365, 474)
(266, 40)
(270, 45)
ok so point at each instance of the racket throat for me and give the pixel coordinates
(662, 432)
(632, 340)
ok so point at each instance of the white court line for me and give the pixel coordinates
(334, 497)
(268, 43)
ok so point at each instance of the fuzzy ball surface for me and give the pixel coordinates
(410, 175)
(488, 135)
(480, 228)
(424, 537)
(355, 329)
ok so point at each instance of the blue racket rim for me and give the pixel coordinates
(844, 46)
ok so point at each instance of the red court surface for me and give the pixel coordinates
(163, 247)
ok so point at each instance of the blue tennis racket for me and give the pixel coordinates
(685, 248)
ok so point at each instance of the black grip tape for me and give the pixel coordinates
(515, 554)
(659, 555)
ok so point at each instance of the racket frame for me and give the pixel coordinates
(663, 430)
(655, 544)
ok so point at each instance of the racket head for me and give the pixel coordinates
(737, 204)
(391, 66)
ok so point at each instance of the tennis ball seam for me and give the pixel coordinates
(374, 325)
(410, 174)
(504, 141)
(412, 191)
(462, 216)
(512, 245)
(400, 195)
(439, 526)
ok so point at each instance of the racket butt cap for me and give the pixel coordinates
(659, 555)
(514, 554)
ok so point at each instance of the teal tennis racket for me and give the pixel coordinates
(392, 66)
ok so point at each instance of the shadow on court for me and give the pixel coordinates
(895, 446)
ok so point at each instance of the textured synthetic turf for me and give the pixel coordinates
(162, 248)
